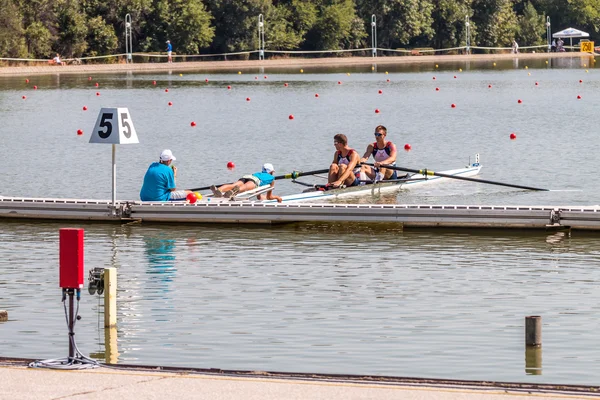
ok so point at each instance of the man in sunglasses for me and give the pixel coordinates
(383, 152)
(343, 169)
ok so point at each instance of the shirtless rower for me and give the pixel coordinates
(344, 166)
(383, 152)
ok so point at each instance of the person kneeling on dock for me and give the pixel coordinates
(159, 181)
(343, 169)
(384, 153)
(250, 182)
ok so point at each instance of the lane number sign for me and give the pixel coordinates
(587, 47)
(114, 126)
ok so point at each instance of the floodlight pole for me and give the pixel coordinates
(548, 34)
(468, 34)
(261, 37)
(128, 40)
(374, 35)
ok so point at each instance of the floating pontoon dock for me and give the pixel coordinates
(447, 216)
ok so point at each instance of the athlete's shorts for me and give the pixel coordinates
(250, 178)
(178, 195)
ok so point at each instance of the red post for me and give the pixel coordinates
(71, 258)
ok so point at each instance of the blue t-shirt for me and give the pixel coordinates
(158, 181)
(265, 179)
(169, 47)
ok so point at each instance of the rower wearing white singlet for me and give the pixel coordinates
(343, 169)
(383, 152)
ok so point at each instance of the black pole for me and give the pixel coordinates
(71, 292)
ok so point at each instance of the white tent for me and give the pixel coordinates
(570, 33)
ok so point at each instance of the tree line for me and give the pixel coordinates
(80, 28)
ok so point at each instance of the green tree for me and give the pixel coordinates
(101, 37)
(280, 33)
(72, 28)
(449, 23)
(496, 22)
(39, 40)
(336, 27)
(12, 40)
(532, 26)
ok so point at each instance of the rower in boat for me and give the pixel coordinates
(343, 169)
(250, 182)
(384, 153)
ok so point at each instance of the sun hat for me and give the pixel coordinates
(268, 168)
(167, 155)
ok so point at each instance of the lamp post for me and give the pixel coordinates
(468, 34)
(128, 42)
(261, 37)
(548, 34)
(374, 35)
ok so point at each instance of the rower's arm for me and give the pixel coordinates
(392, 158)
(351, 165)
(367, 154)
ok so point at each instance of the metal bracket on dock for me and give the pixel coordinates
(96, 281)
(555, 217)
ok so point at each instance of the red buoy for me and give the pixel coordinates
(84, 108)
(26, 80)
(454, 76)
(339, 82)
(230, 165)
(387, 80)
(580, 81)
(192, 124)
(513, 136)
(434, 78)
(206, 80)
(170, 103)
(407, 147)
(437, 89)
(154, 82)
(256, 77)
(285, 84)
(291, 116)
(24, 97)
(89, 78)
(578, 97)
(519, 101)
(265, 77)
(79, 132)
(247, 98)
(96, 84)
(191, 197)
(489, 86)
(228, 87)
(377, 111)
(166, 90)
(316, 94)
(536, 84)
(97, 93)
(453, 105)
(380, 91)
(35, 88)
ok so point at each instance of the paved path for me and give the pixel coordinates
(18, 382)
(276, 63)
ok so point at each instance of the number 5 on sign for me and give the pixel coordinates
(114, 126)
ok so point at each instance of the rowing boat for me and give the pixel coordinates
(382, 187)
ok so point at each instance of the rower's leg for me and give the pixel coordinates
(334, 170)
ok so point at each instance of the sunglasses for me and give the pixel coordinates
(334, 143)
(378, 134)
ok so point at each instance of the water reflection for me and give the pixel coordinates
(160, 253)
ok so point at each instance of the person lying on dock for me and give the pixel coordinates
(250, 182)
(343, 169)
(159, 181)
(383, 153)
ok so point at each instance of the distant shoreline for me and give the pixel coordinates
(242, 65)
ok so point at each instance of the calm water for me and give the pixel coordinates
(314, 298)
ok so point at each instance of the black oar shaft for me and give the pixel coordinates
(464, 178)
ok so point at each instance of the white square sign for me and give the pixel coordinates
(114, 126)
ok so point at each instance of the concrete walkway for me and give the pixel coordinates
(305, 63)
(19, 382)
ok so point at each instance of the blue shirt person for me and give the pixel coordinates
(159, 181)
(169, 51)
(250, 182)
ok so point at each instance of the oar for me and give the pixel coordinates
(296, 174)
(464, 178)
(291, 175)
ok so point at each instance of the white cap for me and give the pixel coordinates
(268, 168)
(167, 155)
(168, 41)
